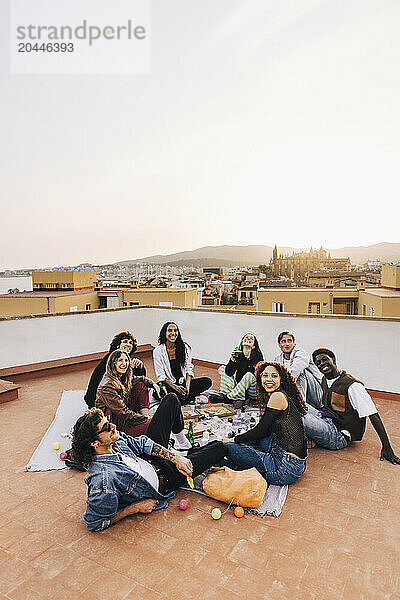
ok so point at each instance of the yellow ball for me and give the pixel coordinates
(216, 513)
(239, 512)
(56, 446)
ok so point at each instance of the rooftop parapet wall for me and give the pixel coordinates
(369, 348)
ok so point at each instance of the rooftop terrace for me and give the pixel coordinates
(337, 536)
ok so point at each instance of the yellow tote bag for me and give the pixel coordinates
(246, 488)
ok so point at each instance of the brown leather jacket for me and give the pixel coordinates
(109, 400)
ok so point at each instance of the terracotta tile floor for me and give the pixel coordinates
(337, 537)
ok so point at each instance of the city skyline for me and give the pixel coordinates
(385, 253)
(259, 121)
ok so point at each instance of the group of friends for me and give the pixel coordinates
(131, 468)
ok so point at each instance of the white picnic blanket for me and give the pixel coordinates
(45, 457)
(273, 502)
(271, 505)
(72, 406)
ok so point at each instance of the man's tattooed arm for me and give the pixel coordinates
(184, 465)
(163, 452)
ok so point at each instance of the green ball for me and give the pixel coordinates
(216, 513)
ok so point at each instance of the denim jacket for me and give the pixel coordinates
(112, 485)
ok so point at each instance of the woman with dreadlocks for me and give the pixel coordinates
(173, 365)
(276, 447)
(121, 407)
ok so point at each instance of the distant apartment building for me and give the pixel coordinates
(341, 278)
(53, 292)
(182, 297)
(60, 281)
(214, 270)
(381, 301)
(309, 300)
(247, 294)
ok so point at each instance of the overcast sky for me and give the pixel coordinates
(262, 121)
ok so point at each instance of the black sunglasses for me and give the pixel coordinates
(106, 427)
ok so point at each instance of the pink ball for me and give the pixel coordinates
(183, 504)
(63, 455)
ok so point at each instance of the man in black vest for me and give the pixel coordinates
(345, 406)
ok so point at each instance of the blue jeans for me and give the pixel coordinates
(314, 391)
(276, 465)
(323, 430)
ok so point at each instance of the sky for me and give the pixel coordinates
(260, 122)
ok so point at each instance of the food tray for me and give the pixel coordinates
(219, 409)
(189, 413)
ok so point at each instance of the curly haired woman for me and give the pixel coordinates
(276, 447)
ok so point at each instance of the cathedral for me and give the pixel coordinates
(300, 264)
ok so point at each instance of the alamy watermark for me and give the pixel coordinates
(54, 36)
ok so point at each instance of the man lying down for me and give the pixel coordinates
(128, 475)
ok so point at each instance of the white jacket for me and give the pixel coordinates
(162, 365)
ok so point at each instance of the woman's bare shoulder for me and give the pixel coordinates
(278, 401)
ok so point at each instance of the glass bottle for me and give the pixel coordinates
(189, 434)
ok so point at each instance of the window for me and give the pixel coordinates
(371, 312)
(133, 303)
(73, 309)
(88, 306)
(278, 307)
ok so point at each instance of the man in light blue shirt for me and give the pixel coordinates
(300, 364)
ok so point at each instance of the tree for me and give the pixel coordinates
(227, 299)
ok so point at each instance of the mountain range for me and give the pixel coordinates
(226, 256)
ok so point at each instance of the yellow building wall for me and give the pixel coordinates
(67, 279)
(241, 307)
(297, 301)
(182, 298)
(64, 303)
(368, 302)
(390, 307)
(51, 277)
(390, 276)
(84, 279)
(17, 307)
(13, 306)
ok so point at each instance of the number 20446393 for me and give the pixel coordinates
(49, 47)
